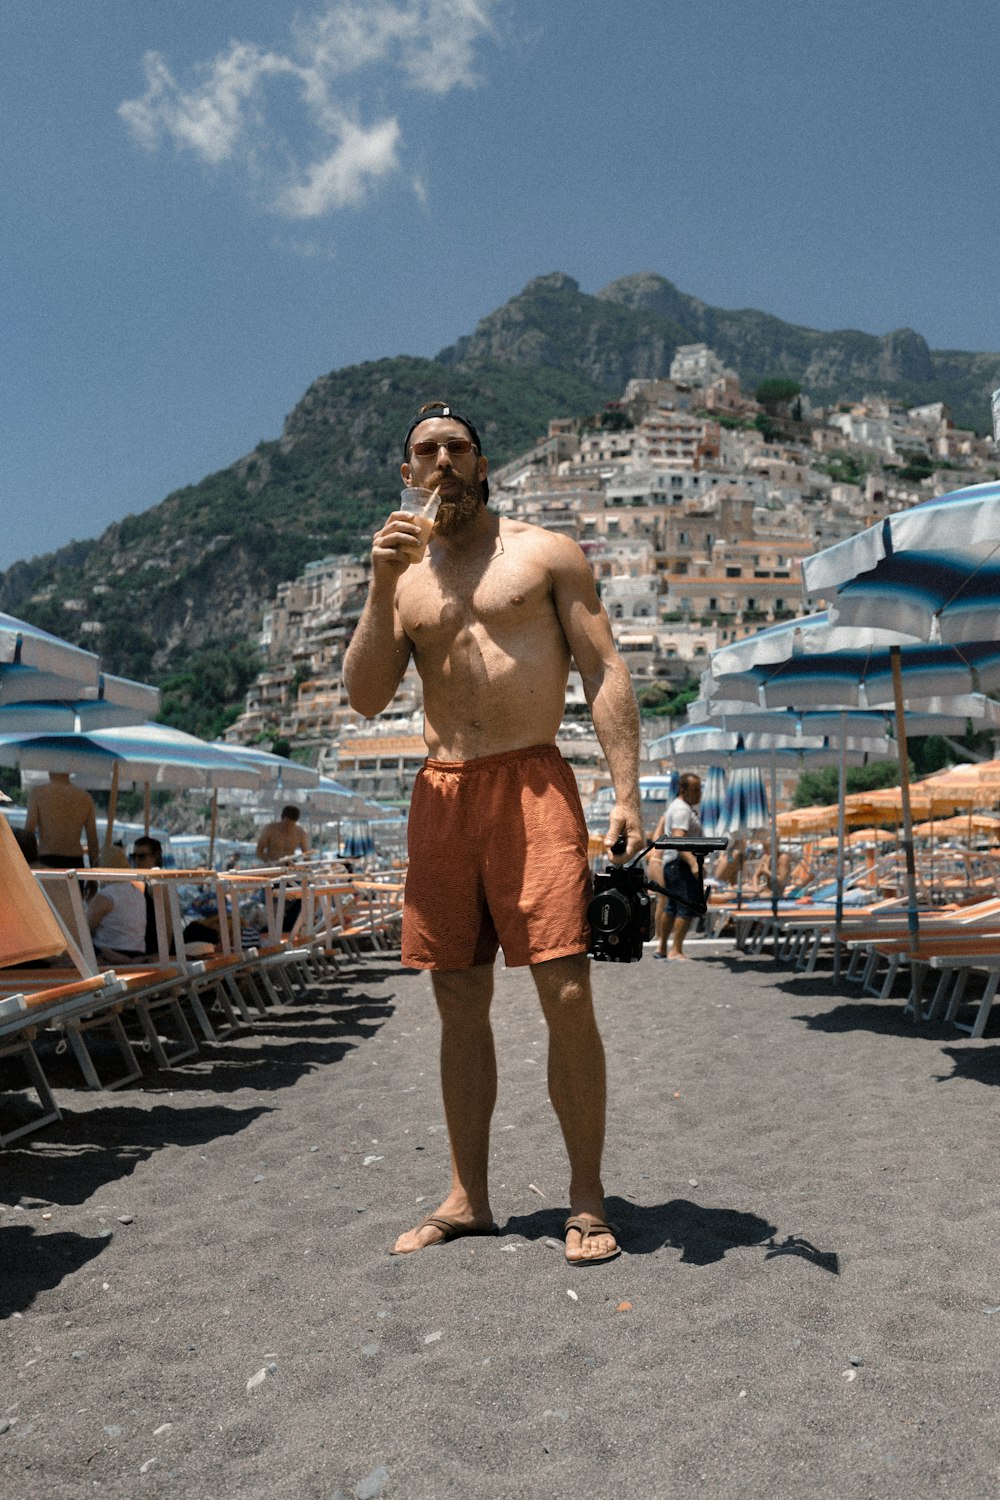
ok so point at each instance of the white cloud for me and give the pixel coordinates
(340, 181)
(431, 41)
(213, 118)
(226, 115)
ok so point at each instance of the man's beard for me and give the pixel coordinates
(454, 513)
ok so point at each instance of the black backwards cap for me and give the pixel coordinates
(442, 409)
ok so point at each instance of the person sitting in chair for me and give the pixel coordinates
(116, 915)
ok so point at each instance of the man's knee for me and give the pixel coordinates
(463, 995)
(563, 985)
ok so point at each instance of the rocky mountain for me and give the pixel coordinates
(175, 595)
(632, 327)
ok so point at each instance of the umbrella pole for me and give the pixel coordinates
(214, 825)
(112, 806)
(147, 799)
(841, 824)
(774, 840)
(912, 915)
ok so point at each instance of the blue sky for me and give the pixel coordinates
(208, 206)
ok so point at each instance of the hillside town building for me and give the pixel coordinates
(694, 508)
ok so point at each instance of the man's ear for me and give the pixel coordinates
(406, 472)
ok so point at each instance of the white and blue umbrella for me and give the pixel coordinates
(26, 645)
(115, 703)
(150, 754)
(951, 715)
(745, 809)
(713, 795)
(358, 842)
(930, 571)
(815, 662)
(276, 770)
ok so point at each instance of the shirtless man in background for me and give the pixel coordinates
(493, 615)
(283, 838)
(59, 813)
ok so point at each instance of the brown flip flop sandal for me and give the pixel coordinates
(453, 1229)
(586, 1227)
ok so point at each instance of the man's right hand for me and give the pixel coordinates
(390, 546)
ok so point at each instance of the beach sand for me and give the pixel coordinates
(808, 1305)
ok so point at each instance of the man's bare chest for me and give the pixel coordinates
(506, 596)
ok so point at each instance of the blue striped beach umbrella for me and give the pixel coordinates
(712, 800)
(115, 703)
(277, 771)
(930, 571)
(745, 809)
(143, 752)
(816, 663)
(25, 645)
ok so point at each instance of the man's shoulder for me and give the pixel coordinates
(551, 546)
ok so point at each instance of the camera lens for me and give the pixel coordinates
(609, 912)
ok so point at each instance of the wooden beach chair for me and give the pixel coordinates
(34, 999)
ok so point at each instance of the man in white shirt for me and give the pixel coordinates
(680, 870)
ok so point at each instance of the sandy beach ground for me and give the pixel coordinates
(197, 1297)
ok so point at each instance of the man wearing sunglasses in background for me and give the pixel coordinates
(493, 615)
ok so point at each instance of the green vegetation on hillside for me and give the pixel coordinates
(206, 692)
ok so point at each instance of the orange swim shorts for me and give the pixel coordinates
(498, 858)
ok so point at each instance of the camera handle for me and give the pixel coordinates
(698, 847)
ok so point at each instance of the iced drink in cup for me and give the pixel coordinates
(421, 508)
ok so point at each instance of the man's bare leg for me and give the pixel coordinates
(578, 1090)
(469, 1087)
(681, 926)
(664, 927)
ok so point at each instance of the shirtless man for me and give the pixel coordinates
(58, 814)
(493, 615)
(282, 839)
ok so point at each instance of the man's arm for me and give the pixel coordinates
(379, 651)
(683, 831)
(263, 847)
(607, 685)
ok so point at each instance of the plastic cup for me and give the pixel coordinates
(421, 508)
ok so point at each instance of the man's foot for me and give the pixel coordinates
(659, 955)
(589, 1239)
(438, 1229)
(682, 956)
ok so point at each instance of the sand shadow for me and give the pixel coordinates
(884, 1017)
(224, 1068)
(371, 972)
(702, 1235)
(76, 1156)
(31, 1263)
(357, 1007)
(977, 1064)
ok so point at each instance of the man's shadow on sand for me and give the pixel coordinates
(703, 1235)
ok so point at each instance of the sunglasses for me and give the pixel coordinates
(428, 448)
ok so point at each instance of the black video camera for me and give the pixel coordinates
(621, 912)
